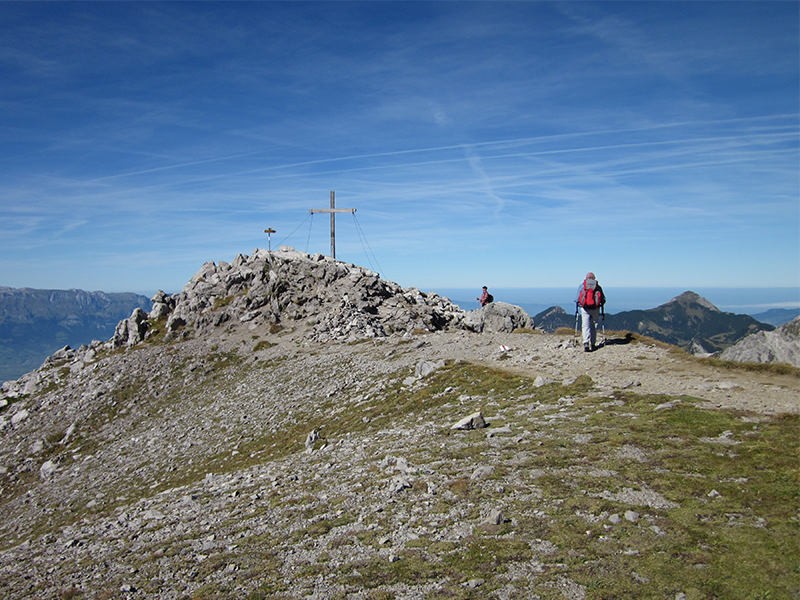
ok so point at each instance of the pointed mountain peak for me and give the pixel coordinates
(688, 298)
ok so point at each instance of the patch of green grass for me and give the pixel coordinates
(222, 302)
(426, 560)
(321, 527)
(263, 345)
(771, 368)
(11, 401)
(526, 330)
(733, 531)
(156, 330)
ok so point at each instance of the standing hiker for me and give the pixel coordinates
(590, 302)
(485, 298)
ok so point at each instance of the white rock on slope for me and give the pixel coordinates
(779, 346)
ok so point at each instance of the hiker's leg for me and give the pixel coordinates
(594, 314)
(586, 326)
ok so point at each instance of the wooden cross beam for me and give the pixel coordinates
(269, 231)
(333, 210)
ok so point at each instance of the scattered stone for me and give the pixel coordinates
(725, 438)
(726, 385)
(19, 417)
(399, 483)
(48, 469)
(68, 434)
(540, 381)
(631, 516)
(642, 497)
(425, 368)
(311, 439)
(495, 517)
(632, 453)
(473, 421)
(630, 384)
(505, 429)
(482, 472)
(204, 399)
(668, 405)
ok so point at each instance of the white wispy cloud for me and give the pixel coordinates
(154, 126)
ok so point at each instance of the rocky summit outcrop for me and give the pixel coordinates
(327, 299)
(779, 346)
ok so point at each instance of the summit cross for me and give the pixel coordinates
(333, 210)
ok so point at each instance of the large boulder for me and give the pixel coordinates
(497, 317)
(132, 330)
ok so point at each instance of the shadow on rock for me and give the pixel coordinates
(619, 341)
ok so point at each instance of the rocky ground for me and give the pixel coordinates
(220, 491)
(246, 458)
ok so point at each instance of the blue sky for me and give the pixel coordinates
(509, 144)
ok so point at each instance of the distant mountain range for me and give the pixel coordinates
(35, 323)
(777, 316)
(688, 321)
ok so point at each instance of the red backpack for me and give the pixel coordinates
(591, 296)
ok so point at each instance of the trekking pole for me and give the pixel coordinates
(576, 318)
(603, 322)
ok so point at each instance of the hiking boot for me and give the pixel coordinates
(586, 348)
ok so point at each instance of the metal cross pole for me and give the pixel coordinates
(333, 210)
(269, 231)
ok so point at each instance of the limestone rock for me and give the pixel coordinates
(19, 417)
(473, 421)
(132, 330)
(779, 346)
(498, 317)
(161, 305)
(329, 299)
(47, 469)
(426, 367)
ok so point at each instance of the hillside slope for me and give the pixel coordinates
(208, 452)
